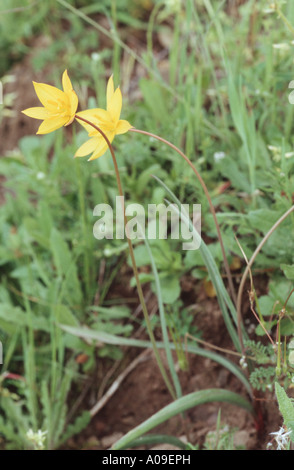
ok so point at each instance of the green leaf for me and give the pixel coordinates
(228, 167)
(34, 229)
(61, 253)
(111, 313)
(286, 408)
(66, 268)
(181, 405)
(13, 318)
(287, 327)
(80, 423)
(266, 304)
(153, 439)
(153, 93)
(144, 177)
(107, 338)
(263, 219)
(170, 289)
(65, 316)
(288, 270)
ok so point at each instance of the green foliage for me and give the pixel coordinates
(181, 319)
(221, 439)
(286, 408)
(17, 26)
(225, 106)
(262, 354)
(169, 265)
(17, 418)
(43, 285)
(262, 378)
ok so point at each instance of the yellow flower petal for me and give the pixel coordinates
(74, 101)
(37, 113)
(99, 117)
(106, 120)
(103, 146)
(66, 83)
(88, 147)
(59, 106)
(123, 127)
(49, 95)
(115, 104)
(51, 124)
(71, 94)
(97, 114)
(109, 91)
(99, 151)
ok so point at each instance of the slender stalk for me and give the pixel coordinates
(200, 179)
(250, 263)
(283, 17)
(135, 270)
(278, 343)
(169, 357)
(253, 298)
(278, 338)
(84, 225)
(116, 45)
(150, 27)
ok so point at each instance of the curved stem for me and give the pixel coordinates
(200, 179)
(283, 17)
(250, 263)
(135, 270)
(84, 226)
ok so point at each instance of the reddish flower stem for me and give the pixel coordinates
(135, 270)
(201, 181)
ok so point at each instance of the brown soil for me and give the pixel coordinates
(17, 126)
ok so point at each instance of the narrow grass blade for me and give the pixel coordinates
(180, 406)
(222, 294)
(169, 357)
(153, 439)
(191, 348)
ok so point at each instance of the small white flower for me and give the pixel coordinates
(289, 154)
(37, 438)
(243, 362)
(40, 175)
(219, 156)
(95, 56)
(270, 9)
(281, 437)
(211, 92)
(282, 46)
(274, 149)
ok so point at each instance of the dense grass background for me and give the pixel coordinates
(210, 76)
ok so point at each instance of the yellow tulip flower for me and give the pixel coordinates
(59, 107)
(107, 120)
